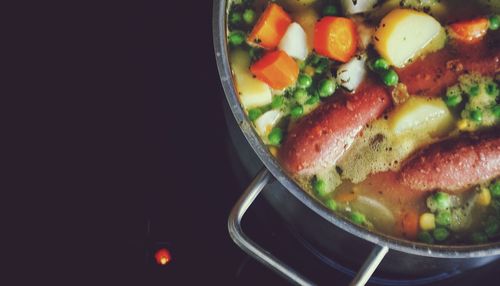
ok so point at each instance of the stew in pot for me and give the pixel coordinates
(388, 112)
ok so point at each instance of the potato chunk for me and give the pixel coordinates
(420, 114)
(251, 91)
(294, 42)
(403, 33)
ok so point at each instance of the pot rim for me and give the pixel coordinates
(270, 162)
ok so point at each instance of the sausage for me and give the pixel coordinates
(455, 164)
(318, 140)
(431, 75)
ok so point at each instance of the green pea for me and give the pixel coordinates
(319, 187)
(479, 237)
(492, 89)
(453, 100)
(235, 18)
(495, 189)
(277, 102)
(425, 237)
(313, 100)
(331, 204)
(476, 115)
(390, 78)
(236, 38)
(496, 110)
(314, 59)
(474, 90)
(494, 22)
(249, 16)
(326, 87)
(322, 66)
(491, 228)
(254, 114)
(330, 10)
(441, 200)
(304, 81)
(300, 95)
(443, 218)
(275, 136)
(297, 111)
(440, 233)
(380, 64)
(358, 218)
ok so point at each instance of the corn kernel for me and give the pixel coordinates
(427, 221)
(484, 197)
(309, 70)
(463, 124)
(273, 150)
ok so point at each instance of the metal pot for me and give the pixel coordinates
(331, 233)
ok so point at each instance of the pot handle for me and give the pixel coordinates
(263, 178)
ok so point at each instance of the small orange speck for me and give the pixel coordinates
(162, 256)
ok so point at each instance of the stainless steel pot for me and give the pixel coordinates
(333, 234)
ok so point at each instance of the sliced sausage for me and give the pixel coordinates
(454, 164)
(320, 138)
(431, 75)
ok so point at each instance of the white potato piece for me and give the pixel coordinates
(251, 91)
(403, 33)
(429, 115)
(351, 7)
(352, 73)
(434, 8)
(265, 123)
(294, 42)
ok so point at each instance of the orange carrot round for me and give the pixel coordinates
(409, 224)
(270, 27)
(277, 69)
(470, 31)
(336, 38)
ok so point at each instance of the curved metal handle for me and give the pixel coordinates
(245, 243)
(261, 255)
(370, 265)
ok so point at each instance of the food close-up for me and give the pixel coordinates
(386, 112)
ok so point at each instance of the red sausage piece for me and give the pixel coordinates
(454, 164)
(431, 75)
(320, 139)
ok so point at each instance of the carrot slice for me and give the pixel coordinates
(270, 27)
(277, 69)
(409, 224)
(470, 31)
(336, 38)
